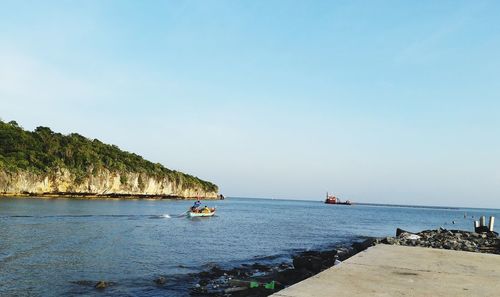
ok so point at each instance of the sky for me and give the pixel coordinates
(374, 101)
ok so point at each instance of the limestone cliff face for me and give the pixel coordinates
(100, 183)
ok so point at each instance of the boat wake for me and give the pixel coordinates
(160, 216)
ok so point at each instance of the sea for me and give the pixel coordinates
(62, 247)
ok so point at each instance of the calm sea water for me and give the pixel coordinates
(51, 247)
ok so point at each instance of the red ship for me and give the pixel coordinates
(330, 199)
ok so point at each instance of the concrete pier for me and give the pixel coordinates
(390, 270)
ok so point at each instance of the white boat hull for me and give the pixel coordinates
(200, 214)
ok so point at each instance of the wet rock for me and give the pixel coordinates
(284, 266)
(363, 245)
(89, 283)
(219, 282)
(260, 267)
(204, 274)
(204, 282)
(161, 280)
(292, 276)
(310, 253)
(238, 272)
(312, 263)
(490, 234)
(84, 283)
(101, 285)
(216, 271)
(328, 262)
(325, 255)
(401, 231)
(389, 240)
(345, 253)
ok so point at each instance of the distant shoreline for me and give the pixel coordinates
(100, 196)
(354, 203)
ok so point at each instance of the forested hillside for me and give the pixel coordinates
(43, 152)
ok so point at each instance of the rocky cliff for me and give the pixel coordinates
(103, 183)
(45, 163)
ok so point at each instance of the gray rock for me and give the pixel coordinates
(448, 239)
(101, 285)
(161, 280)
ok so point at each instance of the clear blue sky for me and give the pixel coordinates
(376, 101)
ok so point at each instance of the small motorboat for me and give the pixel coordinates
(207, 212)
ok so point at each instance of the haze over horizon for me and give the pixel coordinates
(378, 102)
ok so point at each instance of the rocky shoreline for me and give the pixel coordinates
(258, 280)
(264, 279)
(484, 242)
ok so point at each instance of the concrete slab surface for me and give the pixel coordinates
(391, 270)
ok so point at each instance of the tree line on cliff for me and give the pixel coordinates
(44, 151)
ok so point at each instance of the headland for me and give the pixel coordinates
(43, 163)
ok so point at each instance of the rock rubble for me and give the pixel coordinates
(236, 282)
(487, 242)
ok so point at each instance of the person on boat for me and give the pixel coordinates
(206, 209)
(195, 206)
